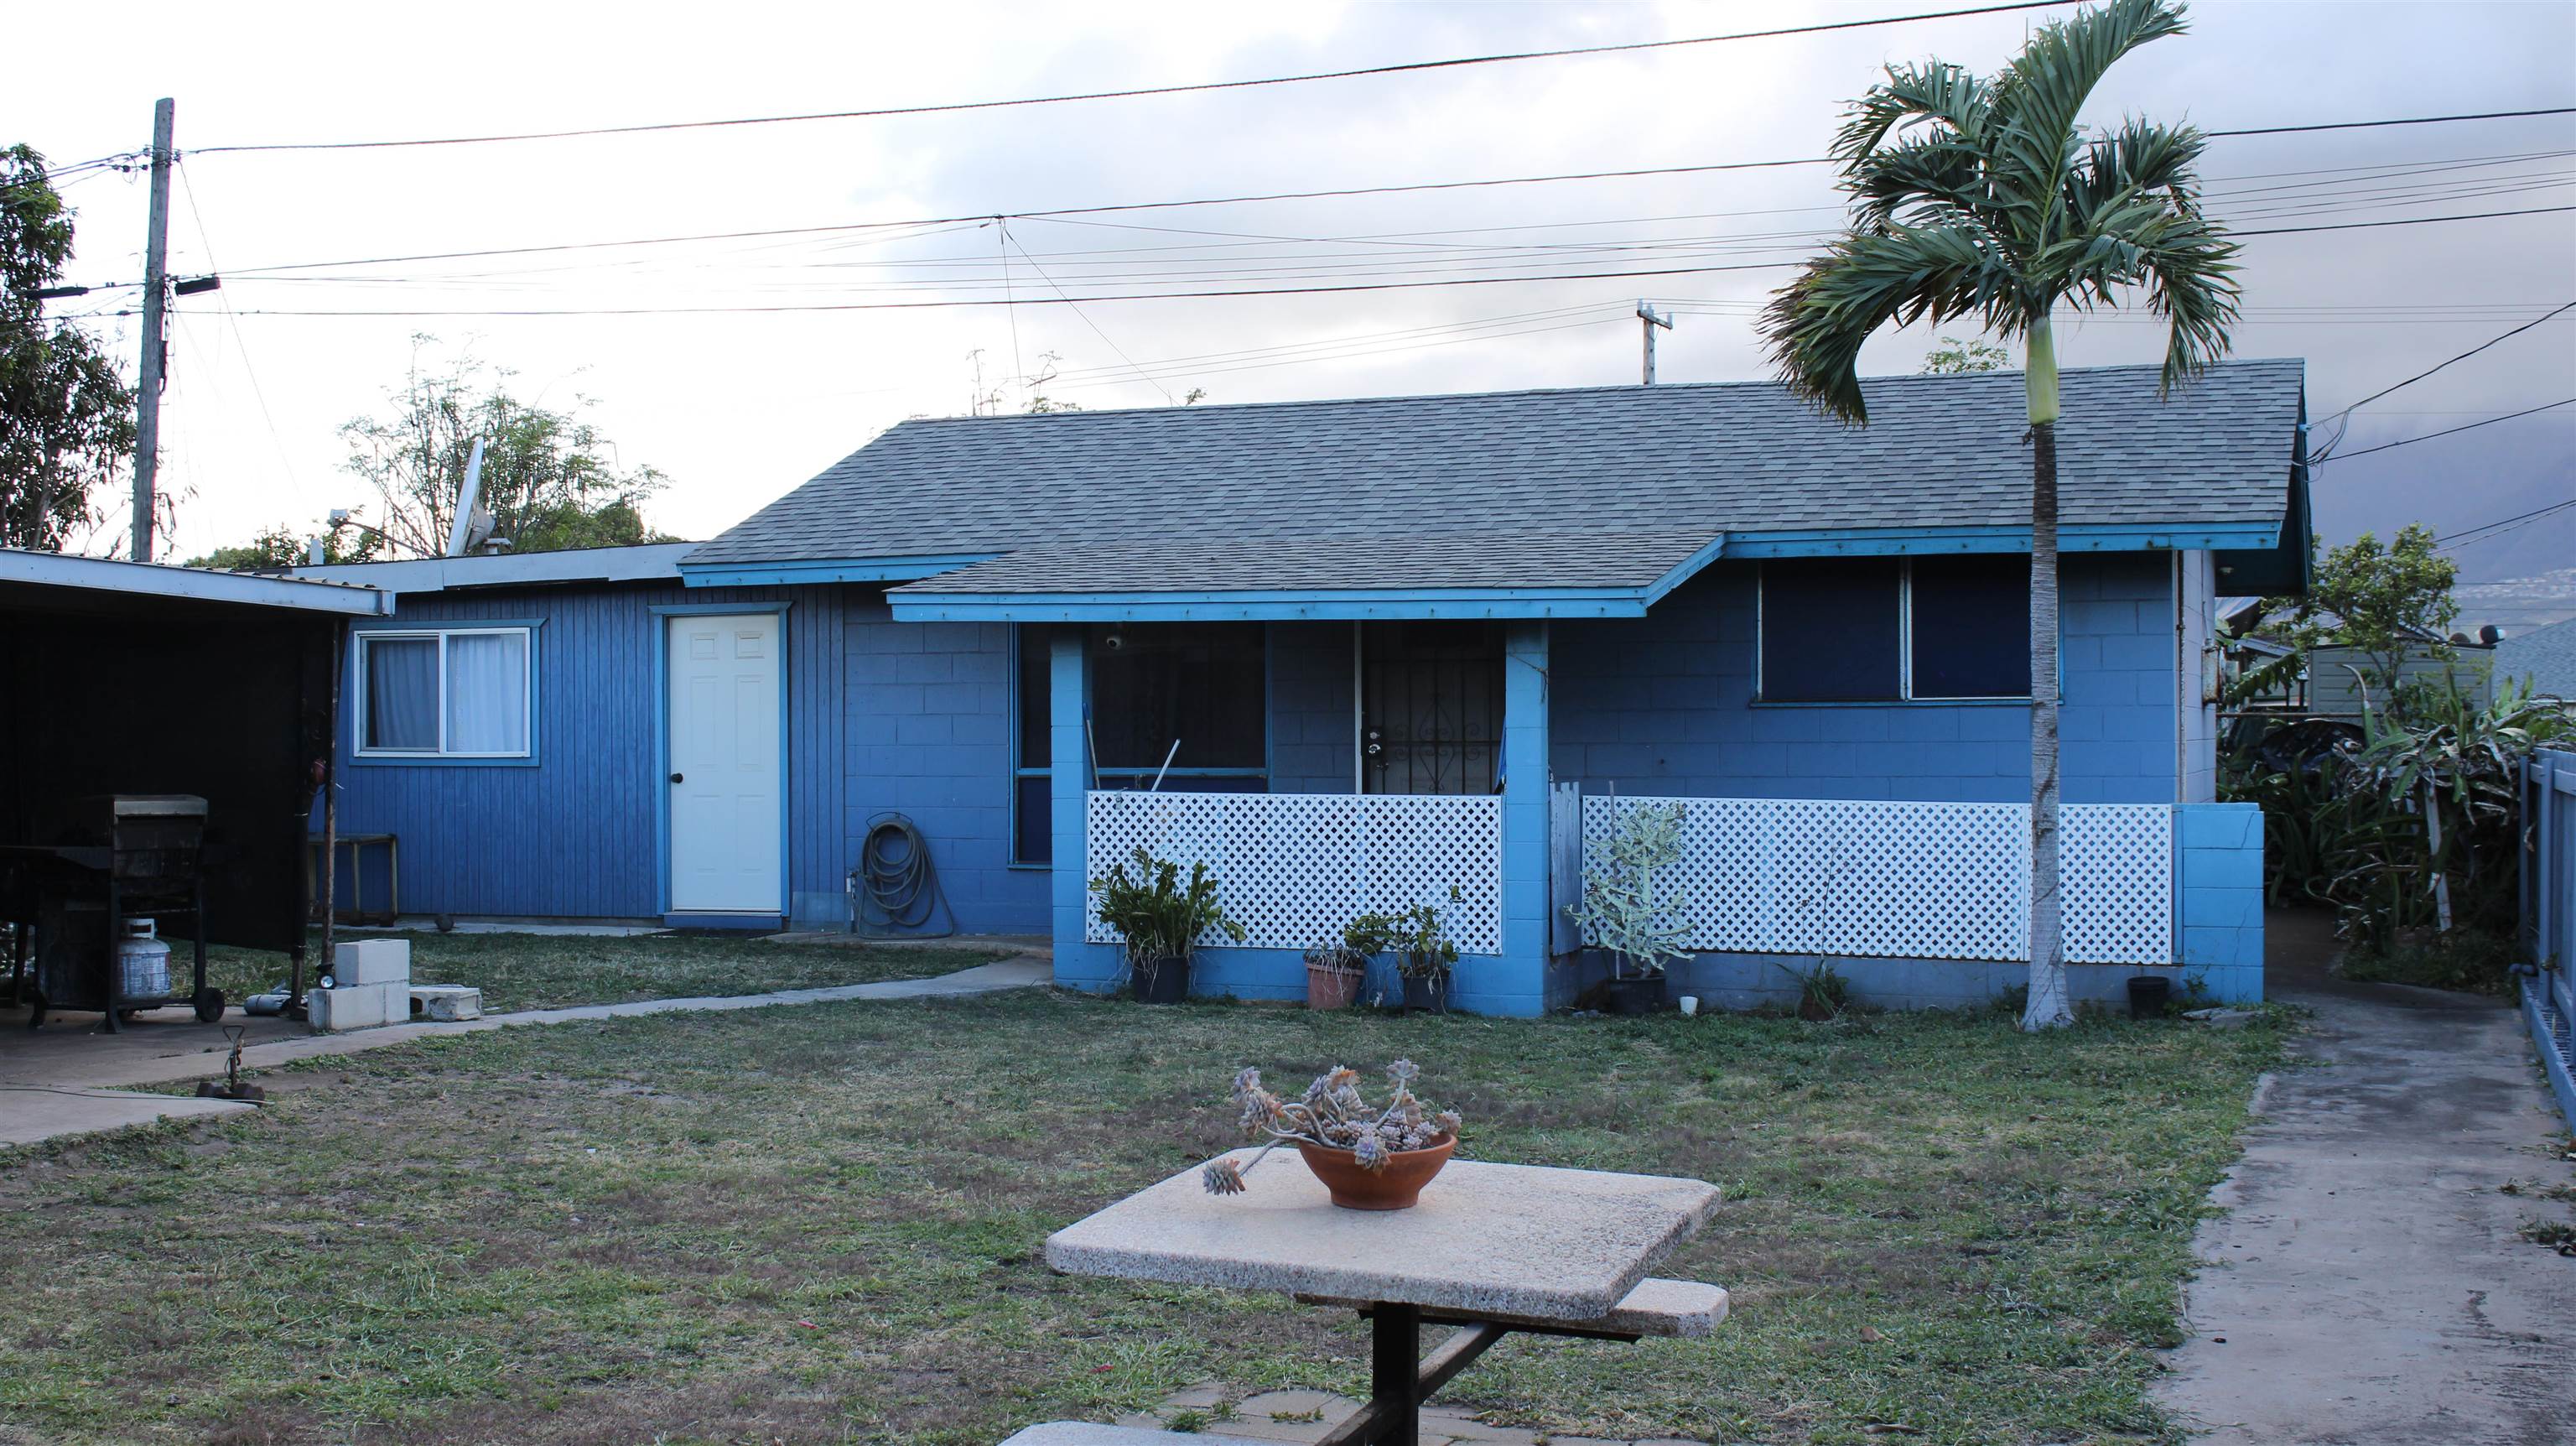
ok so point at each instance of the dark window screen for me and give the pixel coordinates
(1200, 683)
(1033, 821)
(1829, 630)
(1036, 694)
(1972, 626)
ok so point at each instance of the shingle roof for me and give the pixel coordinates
(2547, 656)
(1289, 489)
(1472, 560)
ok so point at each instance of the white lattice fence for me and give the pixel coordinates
(1911, 880)
(1293, 868)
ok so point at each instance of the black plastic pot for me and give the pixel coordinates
(1642, 995)
(2148, 994)
(1427, 992)
(1164, 981)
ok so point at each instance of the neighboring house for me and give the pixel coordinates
(1352, 645)
(2544, 657)
(2339, 682)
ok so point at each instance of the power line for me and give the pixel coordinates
(2450, 431)
(2413, 221)
(1355, 73)
(1202, 294)
(2437, 366)
(2503, 525)
(1334, 193)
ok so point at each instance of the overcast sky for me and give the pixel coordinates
(738, 407)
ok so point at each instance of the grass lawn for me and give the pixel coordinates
(543, 971)
(823, 1223)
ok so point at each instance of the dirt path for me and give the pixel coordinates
(2370, 1281)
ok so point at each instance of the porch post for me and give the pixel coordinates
(1077, 965)
(1520, 987)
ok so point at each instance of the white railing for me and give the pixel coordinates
(1911, 880)
(1293, 868)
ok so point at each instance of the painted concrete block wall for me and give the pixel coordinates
(2218, 872)
(1312, 733)
(929, 723)
(1664, 705)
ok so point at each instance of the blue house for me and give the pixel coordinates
(1359, 654)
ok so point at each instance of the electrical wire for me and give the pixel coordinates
(2503, 525)
(241, 344)
(2453, 431)
(1355, 73)
(2438, 366)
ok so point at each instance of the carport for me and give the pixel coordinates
(134, 679)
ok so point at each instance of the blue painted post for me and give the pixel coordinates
(1077, 965)
(1517, 983)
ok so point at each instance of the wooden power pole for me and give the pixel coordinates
(156, 277)
(1651, 319)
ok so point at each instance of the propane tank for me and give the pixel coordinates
(142, 962)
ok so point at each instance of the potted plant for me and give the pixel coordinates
(1335, 972)
(1425, 956)
(1368, 1158)
(1629, 911)
(1161, 919)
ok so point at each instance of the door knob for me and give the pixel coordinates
(675, 778)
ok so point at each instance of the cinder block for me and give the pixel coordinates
(357, 1006)
(445, 1003)
(372, 961)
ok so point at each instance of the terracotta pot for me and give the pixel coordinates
(1330, 988)
(1815, 1010)
(1396, 1187)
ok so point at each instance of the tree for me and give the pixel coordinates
(279, 547)
(66, 416)
(2390, 603)
(1984, 198)
(549, 479)
(1954, 356)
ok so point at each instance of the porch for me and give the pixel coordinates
(1393, 769)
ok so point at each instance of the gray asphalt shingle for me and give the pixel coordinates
(1575, 486)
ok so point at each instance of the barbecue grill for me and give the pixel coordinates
(102, 861)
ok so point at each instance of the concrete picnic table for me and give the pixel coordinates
(1491, 1248)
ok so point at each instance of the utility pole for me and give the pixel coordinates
(1651, 319)
(156, 263)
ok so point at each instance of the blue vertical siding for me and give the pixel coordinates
(1663, 704)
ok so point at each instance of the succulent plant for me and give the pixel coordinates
(1333, 1114)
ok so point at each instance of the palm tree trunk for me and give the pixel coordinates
(2047, 1008)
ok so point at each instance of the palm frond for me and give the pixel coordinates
(1920, 180)
(2039, 95)
(1933, 92)
(1814, 326)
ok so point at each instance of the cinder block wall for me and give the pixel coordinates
(2218, 885)
(1665, 705)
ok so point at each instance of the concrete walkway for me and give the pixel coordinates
(2368, 1283)
(65, 1091)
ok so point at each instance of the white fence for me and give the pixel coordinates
(1293, 868)
(1911, 880)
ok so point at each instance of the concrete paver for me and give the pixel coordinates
(2368, 1283)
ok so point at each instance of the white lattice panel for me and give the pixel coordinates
(1293, 868)
(1910, 880)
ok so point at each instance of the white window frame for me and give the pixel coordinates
(527, 688)
(1904, 655)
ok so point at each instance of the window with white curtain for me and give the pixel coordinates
(450, 693)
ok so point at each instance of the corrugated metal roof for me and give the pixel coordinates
(1659, 468)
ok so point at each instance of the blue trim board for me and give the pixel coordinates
(845, 569)
(357, 680)
(662, 613)
(1252, 606)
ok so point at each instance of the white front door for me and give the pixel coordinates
(727, 784)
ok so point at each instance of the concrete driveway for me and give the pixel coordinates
(2369, 1283)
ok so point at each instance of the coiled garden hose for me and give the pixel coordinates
(895, 889)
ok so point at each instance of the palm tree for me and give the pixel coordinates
(1983, 198)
